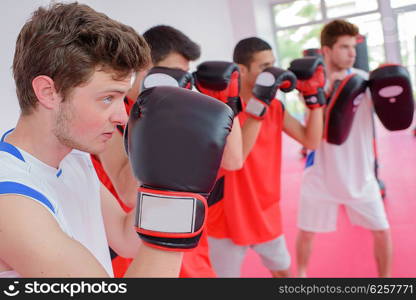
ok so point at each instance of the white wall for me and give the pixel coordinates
(242, 19)
(205, 22)
(10, 23)
(251, 18)
(215, 24)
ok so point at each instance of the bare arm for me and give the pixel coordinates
(122, 237)
(151, 262)
(310, 135)
(240, 142)
(250, 131)
(117, 166)
(33, 244)
(119, 226)
(232, 158)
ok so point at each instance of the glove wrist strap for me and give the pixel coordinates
(256, 108)
(166, 215)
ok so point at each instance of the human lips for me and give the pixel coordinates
(108, 135)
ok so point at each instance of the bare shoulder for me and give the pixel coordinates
(25, 227)
(33, 243)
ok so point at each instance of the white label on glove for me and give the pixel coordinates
(265, 79)
(159, 79)
(255, 107)
(173, 214)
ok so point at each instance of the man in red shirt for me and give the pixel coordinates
(170, 48)
(249, 214)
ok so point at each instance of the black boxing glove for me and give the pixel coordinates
(158, 76)
(265, 89)
(175, 140)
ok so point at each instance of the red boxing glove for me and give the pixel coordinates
(221, 80)
(311, 80)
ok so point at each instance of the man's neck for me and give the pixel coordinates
(246, 93)
(330, 69)
(37, 141)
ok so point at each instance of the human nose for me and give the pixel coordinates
(120, 116)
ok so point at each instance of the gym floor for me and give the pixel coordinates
(348, 251)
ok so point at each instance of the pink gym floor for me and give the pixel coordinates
(348, 251)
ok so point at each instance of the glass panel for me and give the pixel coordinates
(370, 26)
(337, 8)
(290, 45)
(398, 3)
(297, 12)
(292, 42)
(407, 38)
(293, 104)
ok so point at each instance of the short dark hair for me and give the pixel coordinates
(334, 29)
(246, 48)
(68, 42)
(164, 40)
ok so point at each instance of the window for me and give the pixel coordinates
(338, 8)
(298, 12)
(407, 38)
(370, 27)
(298, 24)
(399, 3)
(291, 42)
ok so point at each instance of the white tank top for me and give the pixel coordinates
(71, 194)
(345, 173)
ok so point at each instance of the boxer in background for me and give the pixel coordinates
(343, 173)
(171, 53)
(247, 212)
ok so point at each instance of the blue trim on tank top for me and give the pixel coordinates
(12, 150)
(310, 159)
(10, 187)
(9, 148)
(5, 134)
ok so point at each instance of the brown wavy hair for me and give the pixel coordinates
(334, 29)
(68, 42)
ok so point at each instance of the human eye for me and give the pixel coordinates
(263, 67)
(108, 99)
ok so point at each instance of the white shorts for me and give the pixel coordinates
(321, 216)
(227, 257)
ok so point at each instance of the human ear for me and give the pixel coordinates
(44, 89)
